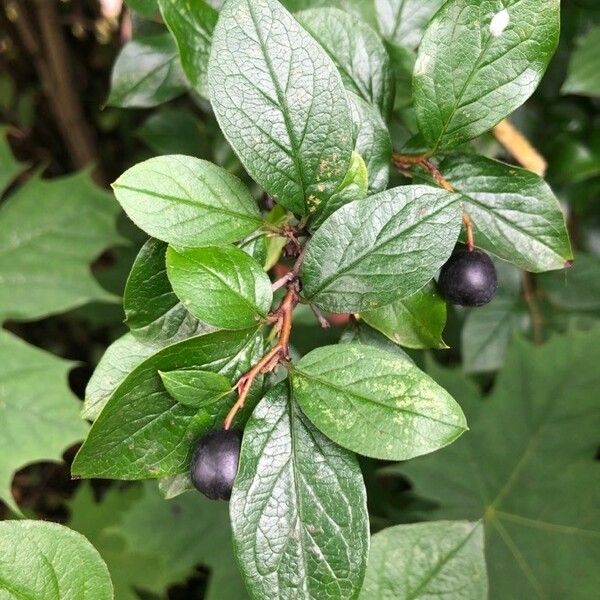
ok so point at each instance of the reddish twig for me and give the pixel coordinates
(280, 352)
(405, 161)
(537, 320)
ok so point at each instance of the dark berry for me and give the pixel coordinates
(215, 463)
(468, 278)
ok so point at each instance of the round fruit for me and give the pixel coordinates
(468, 278)
(215, 463)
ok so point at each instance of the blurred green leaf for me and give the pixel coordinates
(50, 231)
(584, 68)
(39, 414)
(528, 468)
(411, 562)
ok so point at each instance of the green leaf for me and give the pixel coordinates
(577, 288)
(362, 9)
(360, 333)
(47, 561)
(356, 51)
(142, 432)
(403, 22)
(425, 560)
(194, 387)
(191, 24)
(186, 532)
(119, 359)
(50, 231)
(480, 60)
(372, 141)
(487, 332)
(39, 414)
(153, 311)
(374, 402)
(528, 467)
(298, 508)
(146, 73)
(186, 201)
(353, 187)
(146, 8)
(415, 322)
(369, 253)
(289, 119)
(584, 68)
(514, 212)
(402, 61)
(221, 285)
(175, 130)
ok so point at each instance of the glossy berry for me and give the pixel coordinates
(215, 463)
(468, 278)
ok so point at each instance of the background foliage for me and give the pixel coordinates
(86, 93)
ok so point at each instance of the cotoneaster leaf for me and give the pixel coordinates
(220, 285)
(480, 60)
(191, 24)
(298, 509)
(289, 120)
(195, 387)
(147, 73)
(369, 253)
(187, 201)
(142, 432)
(357, 52)
(375, 403)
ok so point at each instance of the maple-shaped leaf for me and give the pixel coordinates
(50, 232)
(150, 543)
(39, 415)
(527, 467)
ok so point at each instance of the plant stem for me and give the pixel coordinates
(403, 162)
(530, 296)
(280, 352)
(520, 147)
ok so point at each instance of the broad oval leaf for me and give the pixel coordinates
(416, 321)
(389, 246)
(220, 285)
(147, 73)
(372, 141)
(153, 311)
(357, 52)
(480, 60)
(191, 24)
(47, 561)
(142, 432)
(374, 402)
(195, 387)
(514, 212)
(289, 119)
(298, 508)
(403, 22)
(187, 201)
(444, 559)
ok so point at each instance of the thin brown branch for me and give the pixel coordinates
(518, 146)
(323, 322)
(404, 162)
(280, 352)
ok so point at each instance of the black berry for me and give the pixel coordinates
(468, 278)
(215, 463)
